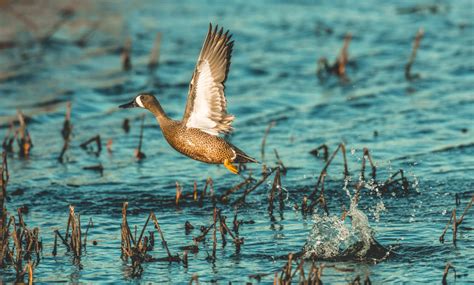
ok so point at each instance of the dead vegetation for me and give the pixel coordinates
(126, 56)
(411, 60)
(287, 273)
(73, 239)
(19, 134)
(66, 132)
(138, 151)
(455, 222)
(138, 248)
(20, 247)
(338, 68)
(395, 183)
(155, 53)
(444, 281)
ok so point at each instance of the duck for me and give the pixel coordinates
(205, 117)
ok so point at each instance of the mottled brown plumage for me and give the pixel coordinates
(205, 116)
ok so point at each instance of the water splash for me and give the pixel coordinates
(333, 238)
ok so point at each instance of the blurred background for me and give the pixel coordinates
(289, 70)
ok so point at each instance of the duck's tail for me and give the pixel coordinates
(242, 157)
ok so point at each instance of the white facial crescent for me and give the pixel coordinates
(139, 102)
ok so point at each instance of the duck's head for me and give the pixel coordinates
(142, 100)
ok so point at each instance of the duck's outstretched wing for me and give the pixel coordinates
(206, 106)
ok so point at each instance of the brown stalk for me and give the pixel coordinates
(214, 235)
(287, 269)
(455, 226)
(66, 132)
(49, 34)
(4, 177)
(416, 44)
(194, 278)
(109, 145)
(273, 191)
(322, 199)
(165, 244)
(126, 125)
(264, 139)
(209, 182)
(82, 41)
(280, 163)
(391, 182)
(97, 141)
(465, 211)
(89, 225)
(155, 53)
(222, 228)
(30, 272)
(9, 138)
(455, 222)
(99, 168)
(343, 58)
(125, 56)
(225, 197)
(249, 190)
(185, 258)
(324, 171)
(372, 165)
(359, 186)
(441, 238)
(188, 227)
(179, 192)
(446, 271)
(138, 152)
(63, 240)
(55, 245)
(195, 192)
(325, 69)
(277, 185)
(75, 224)
(24, 141)
(127, 238)
(304, 204)
(203, 235)
(237, 241)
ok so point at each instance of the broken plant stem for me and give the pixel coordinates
(324, 171)
(155, 53)
(138, 152)
(372, 165)
(445, 273)
(125, 56)
(158, 228)
(316, 151)
(249, 190)
(264, 139)
(416, 44)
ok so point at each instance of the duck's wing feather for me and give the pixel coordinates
(206, 106)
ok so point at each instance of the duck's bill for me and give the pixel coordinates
(132, 104)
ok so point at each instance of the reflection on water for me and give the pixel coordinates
(71, 52)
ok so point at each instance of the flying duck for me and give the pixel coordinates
(205, 116)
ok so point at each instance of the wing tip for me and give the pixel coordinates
(219, 32)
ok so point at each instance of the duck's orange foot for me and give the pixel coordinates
(231, 167)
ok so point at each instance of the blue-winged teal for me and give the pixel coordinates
(205, 116)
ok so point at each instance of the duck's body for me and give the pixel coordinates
(200, 145)
(205, 116)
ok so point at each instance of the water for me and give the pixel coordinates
(423, 126)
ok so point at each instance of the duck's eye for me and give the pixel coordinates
(142, 97)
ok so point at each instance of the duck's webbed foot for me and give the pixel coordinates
(231, 167)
